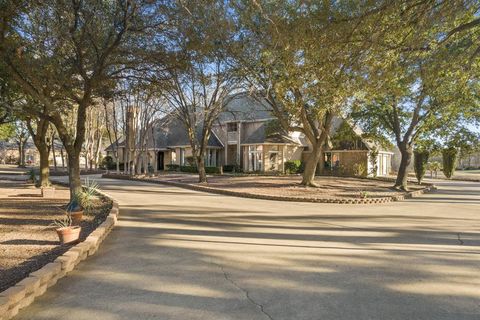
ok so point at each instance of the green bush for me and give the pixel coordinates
(108, 163)
(232, 168)
(294, 166)
(449, 156)
(359, 170)
(212, 170)
(420, 160)
(190, 169)
(172, 167)
(193, 169)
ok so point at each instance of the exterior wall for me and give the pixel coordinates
(231, 154)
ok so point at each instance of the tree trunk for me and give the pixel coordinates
(63, 158)
(308, 176)
(202, 174)
(402, 176)
(74, 172)
(54, 156)
(44, 167)
(118, 164)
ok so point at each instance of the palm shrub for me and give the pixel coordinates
(449, 157)
(420, 161)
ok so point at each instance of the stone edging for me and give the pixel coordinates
(27, 290)
(387, 199)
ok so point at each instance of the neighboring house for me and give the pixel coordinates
(9, 154)
(248, 136)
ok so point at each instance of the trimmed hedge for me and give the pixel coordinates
(294, 166)
(232, 168)
(172, 167)
(192, 169)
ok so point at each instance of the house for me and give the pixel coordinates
(10, 154)
(247, 136)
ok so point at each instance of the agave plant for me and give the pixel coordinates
(65, 222)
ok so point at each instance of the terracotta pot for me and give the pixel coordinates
(68, 234)
(76, 217)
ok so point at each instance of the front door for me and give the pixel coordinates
(160, 161)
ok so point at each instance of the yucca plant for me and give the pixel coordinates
(90, 190)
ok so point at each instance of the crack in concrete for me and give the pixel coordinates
(459, 239)
(247, 294)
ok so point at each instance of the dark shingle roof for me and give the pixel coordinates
(171, 132)
(260, 136)
(244, 107)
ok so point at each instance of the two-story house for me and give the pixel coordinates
(248, 136)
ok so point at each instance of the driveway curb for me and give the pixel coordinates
(411, 194)
(36, 283)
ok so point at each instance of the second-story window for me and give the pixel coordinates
(232, 127)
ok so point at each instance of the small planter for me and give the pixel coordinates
(68, 235)
(76, 217)
(48, 192)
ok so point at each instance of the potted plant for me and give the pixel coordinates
(65, 231)
(74, 209)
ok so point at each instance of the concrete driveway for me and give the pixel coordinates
(179, 254)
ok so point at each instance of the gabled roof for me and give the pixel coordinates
(244, 107)
(260, 136)
(121, 144)
(369, 143)
(171, 132)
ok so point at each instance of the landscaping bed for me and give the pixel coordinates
(330, 190)
(28, 241)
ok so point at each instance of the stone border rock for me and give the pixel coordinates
(27, 290)
(408, 195)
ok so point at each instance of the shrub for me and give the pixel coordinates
(108, 163)
(193, 169)
(449, 156)
(420, 159)
(212, 170)
(172, 167)
(294, 166)
(232, 168)
(190, 169)
(433, 167)
(359, 170)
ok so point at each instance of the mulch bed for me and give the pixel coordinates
(288, 186)
(27, 239)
